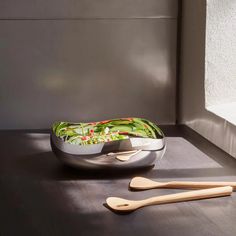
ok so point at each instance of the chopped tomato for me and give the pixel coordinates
(104, 121)
(123, 132)
(85, 138)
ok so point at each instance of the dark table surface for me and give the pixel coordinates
(40, 196)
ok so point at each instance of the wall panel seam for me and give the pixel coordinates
(89, 18)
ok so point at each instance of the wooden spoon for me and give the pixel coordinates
(127, 157)
(124, 156)
(121, 205)
(140, 183)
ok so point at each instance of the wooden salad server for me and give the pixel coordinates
(124, 205)
(124, 156)
(140, 183)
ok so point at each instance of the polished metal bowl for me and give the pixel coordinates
(94, 156)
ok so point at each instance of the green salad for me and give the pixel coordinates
(106, 131)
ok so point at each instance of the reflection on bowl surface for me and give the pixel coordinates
(143, 159)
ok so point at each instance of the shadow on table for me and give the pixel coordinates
(45, 166)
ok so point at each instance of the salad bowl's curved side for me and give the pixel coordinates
(144, 159)
(132, 143)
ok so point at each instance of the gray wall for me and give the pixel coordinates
(84, 60)
(192, 99)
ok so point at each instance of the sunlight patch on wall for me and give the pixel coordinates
(220, 67)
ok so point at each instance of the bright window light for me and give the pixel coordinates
(220, 67)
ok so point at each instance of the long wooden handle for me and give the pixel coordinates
(140, 183)
(188, 196)
(199, 185)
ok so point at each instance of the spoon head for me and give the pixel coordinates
(120, 204)
(144, 183)
(123, 157)
(127, 156)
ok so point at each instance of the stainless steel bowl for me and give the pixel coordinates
(94, 156)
